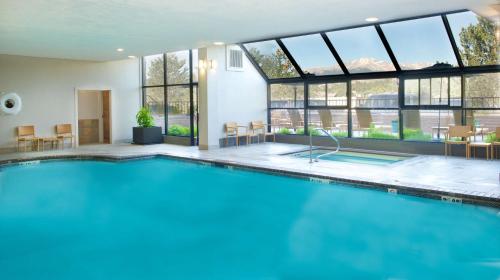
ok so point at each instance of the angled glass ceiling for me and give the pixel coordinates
(475, 38)
(420, 43)
(361, 50)
(271, 59)
(312, 55)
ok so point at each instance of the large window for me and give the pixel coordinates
(482, 91)
(334, 122)
(361, 50)
(271, 59)
(448, 75)
(376, 124)
(429, 125)
(154, 72)
(312, 55)
(171, 92)
(421, 43)
(375, 93)
(155, 101)
(287, 95)
(433, 91)
(476, 37)
(178, 110)
(178, 68)
(328, 94)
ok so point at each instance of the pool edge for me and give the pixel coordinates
(395, 189)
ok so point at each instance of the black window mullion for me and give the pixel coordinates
(387, 47)
(335, 53)
(191, 99)
(291, 58)
(254, 63)
(452, 41)
(349, 109)
(165, 94)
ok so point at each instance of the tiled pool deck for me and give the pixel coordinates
(473, 181)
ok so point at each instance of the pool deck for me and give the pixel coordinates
(473, 180)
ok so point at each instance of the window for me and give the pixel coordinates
(482, 91)
(332, 121)
(375, 93)
(421, 43)
(153, 70)
(172, 96)
(312, 55)
(287, 95)
(475, 38)
(178, 68)
(155, 101)
(377, 124)
(433, 91)
(429, 125)
(178, 111)
(483, 121)
(271, 59)
(361, 50)
(288, 121)
(328, 94)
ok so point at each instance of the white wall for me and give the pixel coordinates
(47, 88)
(232, 96)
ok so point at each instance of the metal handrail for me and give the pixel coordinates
(322, 155)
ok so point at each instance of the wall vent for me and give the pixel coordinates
(27, 163)
(393, 191)
(234, 58)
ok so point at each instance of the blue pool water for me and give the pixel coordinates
(166, 219)
(354, 157)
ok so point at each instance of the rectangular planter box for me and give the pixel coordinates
(147, 135)
(178, 140)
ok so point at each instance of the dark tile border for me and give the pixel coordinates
(404, 190)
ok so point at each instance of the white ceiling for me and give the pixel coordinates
(93, 29)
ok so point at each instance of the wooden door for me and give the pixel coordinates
(105, 117)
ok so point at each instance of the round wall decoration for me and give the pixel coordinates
(10, 103)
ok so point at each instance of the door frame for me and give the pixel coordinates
(75, 117)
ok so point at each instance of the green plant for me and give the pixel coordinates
(314, 132)
(144, 118)
(492, 137)
(339, 133)
(179, 130)
(374, 132)
(285, 131)
(416, 134)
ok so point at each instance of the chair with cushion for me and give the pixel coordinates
(63, 132)
(25, 135)
(458, 135)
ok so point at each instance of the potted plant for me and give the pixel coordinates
(146, 133)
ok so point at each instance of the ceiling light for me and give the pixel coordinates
(119, 50)
(371, 19)
(219, 43)
(131, 56)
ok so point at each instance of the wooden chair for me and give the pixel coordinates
(296, 120)
(258, 128)
(26, 134)
(365, 119)
(496, 142)
(63, 132)
(232, 129)
(463, 132)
